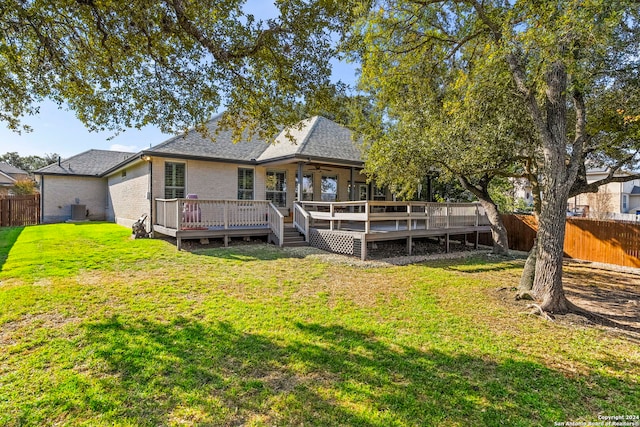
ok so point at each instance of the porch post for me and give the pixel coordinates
(352, 192)
(300, 180)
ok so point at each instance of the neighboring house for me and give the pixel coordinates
(613, 198)
(9, 175)
(120, 187)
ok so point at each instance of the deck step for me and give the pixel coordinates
(293, 238)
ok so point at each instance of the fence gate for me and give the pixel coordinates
(17, 211)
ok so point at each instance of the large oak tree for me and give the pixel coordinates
(563, 58)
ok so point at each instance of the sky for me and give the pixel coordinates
(57, 130)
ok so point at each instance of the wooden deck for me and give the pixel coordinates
(203, 219)
(348, 227)
(342, 227)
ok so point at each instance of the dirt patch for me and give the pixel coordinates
(607, 291)
(612, 294)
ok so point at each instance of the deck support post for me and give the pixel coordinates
(446, 242)
(475, 244)
(179, 243)
(226, 240)
(409, 245)
(363, 248)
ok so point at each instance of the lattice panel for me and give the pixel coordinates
(332, 242)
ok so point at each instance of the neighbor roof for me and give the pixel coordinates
(6, 180)
(635, 190)
(89, 163)
(8, 169)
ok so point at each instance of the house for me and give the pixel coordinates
(9, 175)
(191, 187)
(119, 187)
(614, 198)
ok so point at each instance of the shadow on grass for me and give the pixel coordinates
(151, 373)
(249, 252)
(8, 237)
(480, 264)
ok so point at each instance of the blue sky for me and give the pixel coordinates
(57, 130)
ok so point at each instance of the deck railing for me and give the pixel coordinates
(276, 223)
(301, 220)
(201, 214)
(374, 216)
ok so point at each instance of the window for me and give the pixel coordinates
(624, 203)
(245, 184)
(174, 180)
(379, 193)
(277, 188)
(363, 192)
(307, 188)
(329, 188)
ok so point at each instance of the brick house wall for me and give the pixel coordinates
(128, 191)
(60, 192)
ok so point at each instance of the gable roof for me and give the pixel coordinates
(8, 169)
(317, 138)
(89, 163)
(635, 190)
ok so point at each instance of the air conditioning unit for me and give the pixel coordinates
(78, 212)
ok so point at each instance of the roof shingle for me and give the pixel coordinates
(11, 170)
(89, 163)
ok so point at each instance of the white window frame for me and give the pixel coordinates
(245, 191)
(323, 193)
(173, 191)
(271, 194)
(306, 196)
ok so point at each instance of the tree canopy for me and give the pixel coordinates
(169, 63)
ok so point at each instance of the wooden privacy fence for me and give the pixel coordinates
(610, 242)
(17, 211)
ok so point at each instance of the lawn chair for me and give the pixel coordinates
(191, 211)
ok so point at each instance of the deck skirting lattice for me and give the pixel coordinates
(342, 243)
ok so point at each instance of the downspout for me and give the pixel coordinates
(151, 219)
(41, 198)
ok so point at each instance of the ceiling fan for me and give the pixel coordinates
(320, 168)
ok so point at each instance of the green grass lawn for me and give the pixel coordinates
(99, 329)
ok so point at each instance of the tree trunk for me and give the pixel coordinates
(498, 230)
(547, 284)
(528, 274)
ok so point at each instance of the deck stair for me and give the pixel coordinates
(292, 237)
